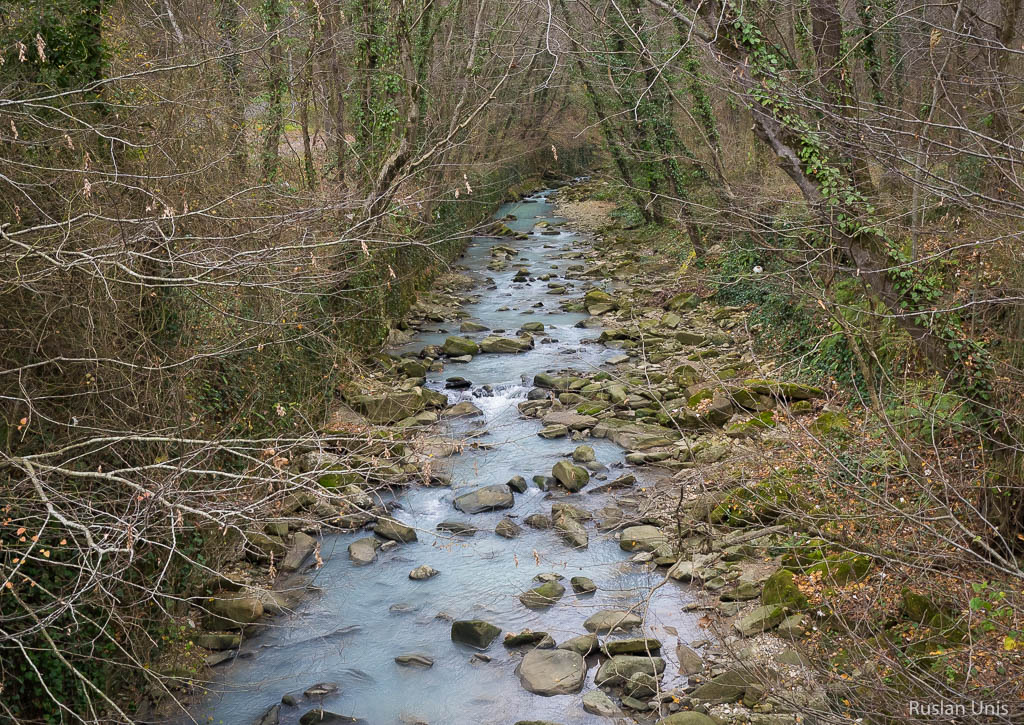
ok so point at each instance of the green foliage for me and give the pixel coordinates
(57, 44)
(780, 322)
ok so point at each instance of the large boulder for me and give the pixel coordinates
(571, 420)
(618, 669)
(395, 530)
(571, 476)
(474, 632)
(487, 498)
(543, 596)
(552, 671)
(634, 436)
(456, 346)
(495, 344)
(642, 538)
(610, 620)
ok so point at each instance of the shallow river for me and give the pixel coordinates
(368, 615)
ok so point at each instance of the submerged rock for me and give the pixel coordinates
(474, 632)
(552, 672)
(417, 660)
(487, 498)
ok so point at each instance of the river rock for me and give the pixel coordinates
(542, 640)
(597, 702)
(417, 660)
(543, 596)
(474, 632)
(571, 420)
(583, 585)
(550, 432)
(495, 344)
(487, 498)
(508, 529)
(552, 672)
(610, 620)
(571, 476)
(572, 532)
(690, 663)
(321, 689)
(726, 687)
(470, 326)
(760, 620)
(302, 546)
(455, 346)
(538, 521)
(635, 436)
(233, 611)
(464, 409)
(641, 685)
(424, 571)
(634, 646)
(457, 528)
(585, 644)
(517, 484)
(618, 669)
(394, 530)
(642, 538)
(584, 454)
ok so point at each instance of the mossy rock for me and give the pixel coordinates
(789, 391)
(592, 407)
(830, 423)
(842, 568)
(337, 480)
(780, 588)
(748, 428)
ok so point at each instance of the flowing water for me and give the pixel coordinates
(365, 616)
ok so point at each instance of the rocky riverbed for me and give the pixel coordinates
(554, 557)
